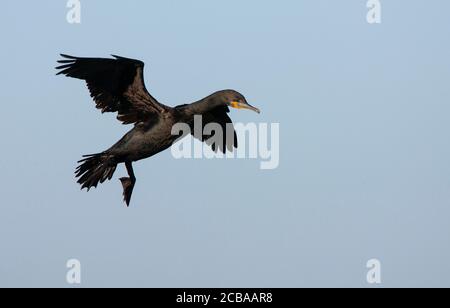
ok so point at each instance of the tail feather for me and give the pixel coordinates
(95, 169)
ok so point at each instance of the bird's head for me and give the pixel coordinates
(235, 100)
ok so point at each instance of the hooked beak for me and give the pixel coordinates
(241, 105)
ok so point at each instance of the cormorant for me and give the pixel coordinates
(117, 85)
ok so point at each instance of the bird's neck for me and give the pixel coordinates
(202, 106)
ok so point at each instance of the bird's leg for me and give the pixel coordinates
(128, 183)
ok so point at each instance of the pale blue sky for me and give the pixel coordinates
(365, 154)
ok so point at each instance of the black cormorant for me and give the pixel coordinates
(117, 85)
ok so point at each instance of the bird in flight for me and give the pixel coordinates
(117, 85)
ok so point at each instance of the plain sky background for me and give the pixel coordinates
(365, 149)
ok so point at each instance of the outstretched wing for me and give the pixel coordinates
(116, 85)
(228, 140)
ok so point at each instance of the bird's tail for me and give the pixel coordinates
(94, 169)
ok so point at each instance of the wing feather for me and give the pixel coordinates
(116, 85)
(229, 138)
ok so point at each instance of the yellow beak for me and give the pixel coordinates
(240, 105)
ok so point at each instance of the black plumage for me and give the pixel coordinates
(117, 85)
